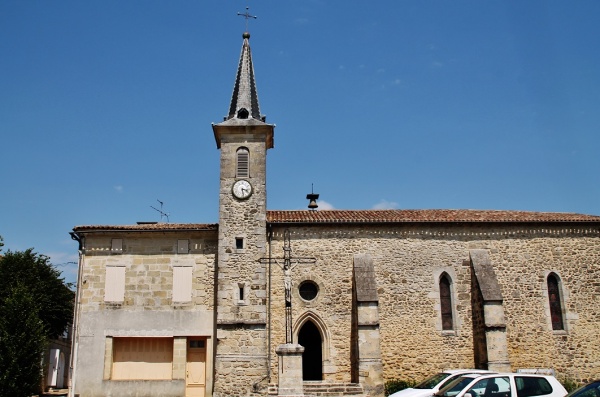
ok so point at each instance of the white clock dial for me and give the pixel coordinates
(242, 189)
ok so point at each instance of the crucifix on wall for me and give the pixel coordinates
(287, 266)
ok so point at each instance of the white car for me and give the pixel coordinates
(503, 385)
(434, 383)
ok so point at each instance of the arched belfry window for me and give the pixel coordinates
(243, 113)
(446, 302)
(242, 163)
(554, 298)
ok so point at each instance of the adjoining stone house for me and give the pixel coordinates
(199, 309)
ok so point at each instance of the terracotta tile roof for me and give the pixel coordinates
(366, 216)
(411, 216)
(152, 227)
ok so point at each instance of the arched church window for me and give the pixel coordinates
(446, 303)
(242, 163)
(556, 310)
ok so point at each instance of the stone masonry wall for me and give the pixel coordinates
(408, 260)
(241, 360)
(149, 260)
(522, 263)
(242, 219)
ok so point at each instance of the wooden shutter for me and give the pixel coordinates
(53, 368)
(114, 286)
(182, 284)
(142, 358)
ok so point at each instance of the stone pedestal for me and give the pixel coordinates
(290, 369)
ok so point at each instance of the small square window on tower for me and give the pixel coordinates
(242, 292)
(239, 243)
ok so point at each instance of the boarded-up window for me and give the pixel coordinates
(446, 303)
(182, 284)
(555, 302)
(243, 163)
(114, 285)
(142, 358)
(183, 246)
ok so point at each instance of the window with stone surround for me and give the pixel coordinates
(555, 302)
(242, 294)
(239, 243)
(446, 302)
(308, 290)
(242, 163)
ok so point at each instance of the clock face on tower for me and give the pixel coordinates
(242, 189)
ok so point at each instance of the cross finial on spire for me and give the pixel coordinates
(247, 16)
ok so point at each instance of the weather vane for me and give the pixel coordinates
(247, 16)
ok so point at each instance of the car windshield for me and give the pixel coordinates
(449, 380)
(454, 387)
(431, 382)
(591, 390)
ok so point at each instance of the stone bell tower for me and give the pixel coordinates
(241, 294)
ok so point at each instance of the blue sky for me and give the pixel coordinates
(106, 107)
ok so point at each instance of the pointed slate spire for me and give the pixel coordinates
(244, 110)
(244, 101)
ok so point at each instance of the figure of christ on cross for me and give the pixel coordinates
(288, 265)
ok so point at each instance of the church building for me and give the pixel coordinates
(176, 310)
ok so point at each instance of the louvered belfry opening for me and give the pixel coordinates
(243, 163)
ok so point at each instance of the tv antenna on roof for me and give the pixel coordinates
(161, 212)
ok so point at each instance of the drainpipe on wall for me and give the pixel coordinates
(75, 332)
(270, 238)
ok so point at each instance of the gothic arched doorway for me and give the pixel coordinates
(312, 358)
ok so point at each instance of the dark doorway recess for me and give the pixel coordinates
(312, 358)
